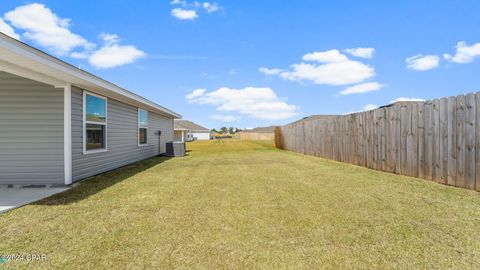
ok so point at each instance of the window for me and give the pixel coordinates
(142, 127)
(95, 123)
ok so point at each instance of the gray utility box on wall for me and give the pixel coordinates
(175, 149)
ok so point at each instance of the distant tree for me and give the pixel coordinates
(214, 130)
(234, 130)
(223, 130)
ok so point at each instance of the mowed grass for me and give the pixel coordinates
(243, 205)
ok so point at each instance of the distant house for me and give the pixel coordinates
(185, 131)
(60, 124)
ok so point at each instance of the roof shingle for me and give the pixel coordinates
(188, 125)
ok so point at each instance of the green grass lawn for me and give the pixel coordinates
(237, 205)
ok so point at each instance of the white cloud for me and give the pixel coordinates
(464, 53)
(369, 107)
(423, 62)
(183, 3)
(330, 56)
(189, 11)
(81, 54)
(406, 99)
(111, 54)
(45, 28)
(210, 7)
(196, 93)
(270, 71)
(8, 30)
(333, 68)
(337, 73)
(258, 103)
(115, 55)
(184, 14)
(362, 88)
(224, 118)
(361, 52)
(109, 38)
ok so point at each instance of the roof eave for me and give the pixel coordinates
(17, 55)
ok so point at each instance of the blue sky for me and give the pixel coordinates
(165, 50)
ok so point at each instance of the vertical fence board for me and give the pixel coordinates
(414, 136)
(379, 138)
(360, 139)
(460, 141)
(375, 139)
(470, 142)
(308, 137)
(348, 152)
(368, 145)
(364, 139)
(354, 128)
(477, 142)
(444, 139)
(405, 123)
(409, 153)
(331, 137)
(436, 140)
(421, 141)
(452, 140)
(383, 139)
(390, 139)
(398, 138)
(428, 141)
(344, 136)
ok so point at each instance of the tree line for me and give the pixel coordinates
(225, 130)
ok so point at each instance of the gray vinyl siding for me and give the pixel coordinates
(31, 132)
(122, 138)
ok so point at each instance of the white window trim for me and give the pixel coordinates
(138, 127)
(85, 122)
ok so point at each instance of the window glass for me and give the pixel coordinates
(95, 136)
(96, 109)
(95, 125)
(142, 118)
(142, 126)
(142, 136)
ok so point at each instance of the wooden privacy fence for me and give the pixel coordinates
(437, 140)
(255, 135)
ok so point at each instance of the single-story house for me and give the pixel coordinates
(60, 124)
(188, 131)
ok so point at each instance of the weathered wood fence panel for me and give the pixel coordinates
(255, 135)
(438, 140)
